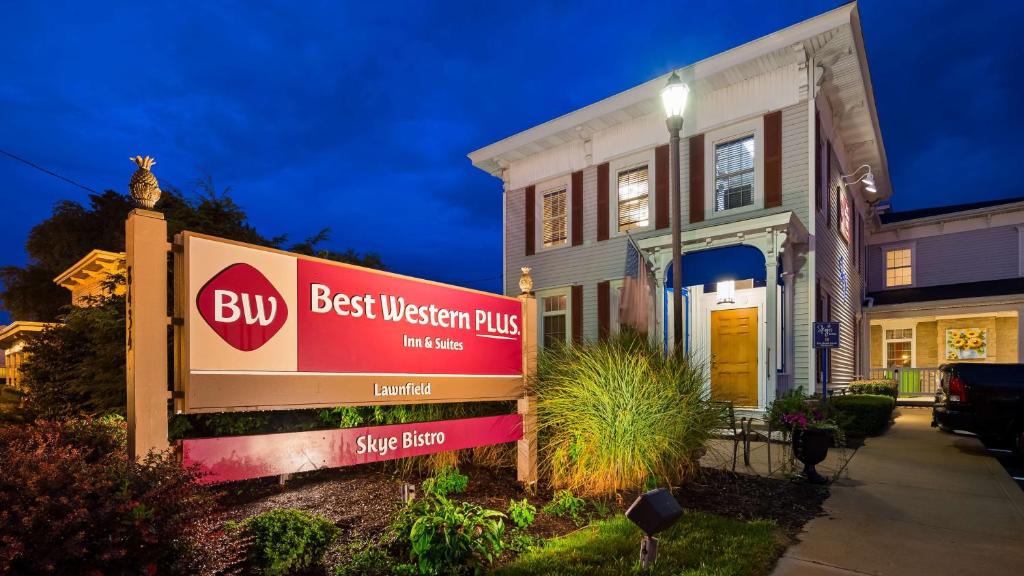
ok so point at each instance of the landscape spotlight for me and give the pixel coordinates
(653, 512)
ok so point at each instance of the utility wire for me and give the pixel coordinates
(44, 170)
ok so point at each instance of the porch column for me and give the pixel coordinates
(771, 330)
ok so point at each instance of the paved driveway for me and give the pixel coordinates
(916, 501)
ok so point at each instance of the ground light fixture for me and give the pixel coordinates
(653, 512)
(673, 98)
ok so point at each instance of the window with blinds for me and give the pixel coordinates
(556, 320)
(734, 173)
(633, 197)
(898, 267)
(555, 218)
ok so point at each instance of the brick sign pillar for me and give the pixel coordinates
(526, 449)
(146, 335)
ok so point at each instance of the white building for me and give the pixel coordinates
(770, 128)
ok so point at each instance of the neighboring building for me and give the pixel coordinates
(86, 278)
(772, 236)
(945, 284)
(12, 342)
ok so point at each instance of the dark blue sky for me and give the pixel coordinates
(359, 115)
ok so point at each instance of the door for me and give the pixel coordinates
(734, 356)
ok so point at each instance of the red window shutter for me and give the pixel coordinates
(817, 162)
(604, 311)
(773, 159)
(576, 196)
(577, 313)
(661, 187)
(602, 202)
(697, 178)
(531, 219)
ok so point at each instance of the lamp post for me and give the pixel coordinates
(673, 97)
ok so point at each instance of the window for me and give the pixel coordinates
(734, 173)
(632, 194)
(898, 267)
(555, 218)
(555, 311)
(899, 347)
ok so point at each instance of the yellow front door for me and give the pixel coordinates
(734, 356)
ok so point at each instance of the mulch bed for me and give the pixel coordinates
(363, 500)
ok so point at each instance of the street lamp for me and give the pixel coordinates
(673, 97)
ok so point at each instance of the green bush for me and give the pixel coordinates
(286, 540)
(861, 415)
(440, 536)
(565, 505)
(875, 387)
(522, 513)
(611, 414)
(792, 402)
(446, 481)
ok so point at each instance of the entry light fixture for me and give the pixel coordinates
(725, 292)
(864, 175)
(653, 512)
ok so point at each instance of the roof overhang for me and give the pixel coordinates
(96, 265)
(16, 331)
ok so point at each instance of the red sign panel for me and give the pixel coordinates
(266, 329)
(233, 458)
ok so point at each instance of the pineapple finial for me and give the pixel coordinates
(143, 185)
(525, 281)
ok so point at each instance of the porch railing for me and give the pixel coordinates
(912, 381)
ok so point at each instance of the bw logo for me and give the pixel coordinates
(242, 307)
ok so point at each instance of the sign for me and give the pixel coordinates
(826, 334)
(232, 458)
(266, 329)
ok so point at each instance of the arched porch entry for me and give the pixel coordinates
(724, 296)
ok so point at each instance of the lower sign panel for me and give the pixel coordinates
(233, 458)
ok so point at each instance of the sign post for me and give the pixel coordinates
(826, 337)
(146, 333)
(526, 450)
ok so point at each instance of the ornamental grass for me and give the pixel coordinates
(619, 415)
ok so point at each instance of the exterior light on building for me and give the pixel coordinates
(673, 98)
(867, 178)
(725, 292)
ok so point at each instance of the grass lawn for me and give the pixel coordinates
(700, 544)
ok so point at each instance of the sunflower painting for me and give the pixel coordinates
(966, 344)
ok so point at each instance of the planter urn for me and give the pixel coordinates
(810, 445)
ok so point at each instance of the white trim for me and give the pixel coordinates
(622, 164)
(751, 126)
(898, 324)
(614, 295)
(966, 221)
(703, 304)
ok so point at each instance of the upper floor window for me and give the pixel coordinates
(734, 173)
(555, 314)
(898, 267)
(555, 218)
(633, 196)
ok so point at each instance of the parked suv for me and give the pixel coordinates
(986, 399)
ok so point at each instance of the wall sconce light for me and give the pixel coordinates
(725, 292)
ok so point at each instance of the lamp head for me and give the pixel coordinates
(673, 96)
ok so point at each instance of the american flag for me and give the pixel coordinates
(635, 298)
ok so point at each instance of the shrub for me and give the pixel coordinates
(565, 505)
(613, 413)
(522, 513)
(446, 481)
(793, 402)
(443, 537)
(875, 387)
(861, 415)
(71, 502)
(286, 540)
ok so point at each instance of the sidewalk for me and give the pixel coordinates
(916, 501)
